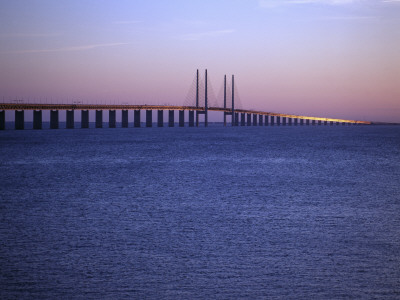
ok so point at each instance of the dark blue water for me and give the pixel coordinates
(200, 213)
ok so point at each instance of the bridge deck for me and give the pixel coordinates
(31, 106)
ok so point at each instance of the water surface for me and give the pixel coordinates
(304, 212)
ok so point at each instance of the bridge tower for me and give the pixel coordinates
(197, 98)
(232, 113)
(225, 100)
(205, 111)
(205, 104)
(233, 100)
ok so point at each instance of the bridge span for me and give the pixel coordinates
(239, 116)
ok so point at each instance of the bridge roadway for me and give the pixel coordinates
(31, 106)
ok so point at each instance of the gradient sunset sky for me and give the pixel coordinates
(326, 58)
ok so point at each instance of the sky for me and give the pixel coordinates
(324, 58)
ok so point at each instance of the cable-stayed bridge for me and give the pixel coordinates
(200, 100)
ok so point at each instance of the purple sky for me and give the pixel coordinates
(332, 58)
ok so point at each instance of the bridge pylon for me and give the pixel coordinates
(231, 113)
(205, 111)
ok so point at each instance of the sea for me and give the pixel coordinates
(272, 212)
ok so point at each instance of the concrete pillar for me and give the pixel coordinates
(37, 119)
(236, 119)
(272, 120)
(191, 118)
(319, 122)
(254, 120)
(160, 118)
(2, 120)
(331, 123)
(99, 119)
(337, 123)
(278, 120)
(307, 121)
(242, 119)
(325, 123)
(260, 120)
(112, 116)
(296, 122)
(136, 118)
(124, 118)
(171, 121)
(313, 122)
(266, 120)
(343, 123)
(290, 121)
(19, 119)
(284, 121)
(84, 119)
(70, 119)
(149, 118)
(53, 119)
(181, 118)
(248, 119)
(301, 122)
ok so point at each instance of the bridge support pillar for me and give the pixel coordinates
(191, 118)
(343, 123)
(313, 122)
(37, 119)
(242, 119)
(181, 118)
(337, 123)
(319, 122)
(53, 119)
(124, 118)
(272, 120)
(236, 119)
(284, 121)
(307, 121)
(296, 121)
(149, 118)
(254, 120)
(70, 119)
(136, 118)
(171, 121)
(84, 119)
(331, 123)
(325, 123)
(278, 120)
(224, 117)
(2, 120)
(290, 121)
(260, 120)
(248, 119)
(19, 119)
(111, 118)
(160, 118)
(99, 119)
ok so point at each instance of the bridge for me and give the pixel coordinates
(200, 106)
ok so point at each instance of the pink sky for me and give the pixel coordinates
(336, 59)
